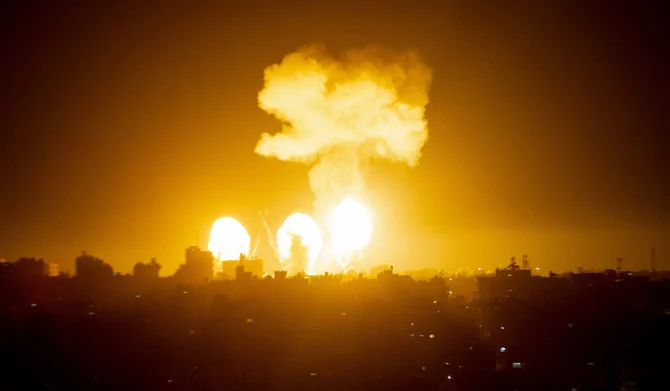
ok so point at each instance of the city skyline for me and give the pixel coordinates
(127, 131)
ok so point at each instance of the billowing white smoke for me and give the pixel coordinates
(337, 114)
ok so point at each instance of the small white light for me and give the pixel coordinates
(449, 377)
(423, 368)
(432, 336)
(502, 327)
(33, 305)
(502, 350)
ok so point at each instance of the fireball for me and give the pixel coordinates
(350, 230)
(228, 239)
(303, 226)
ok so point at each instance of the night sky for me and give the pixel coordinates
(128, 128)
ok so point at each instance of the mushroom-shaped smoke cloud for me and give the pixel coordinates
(337, 114)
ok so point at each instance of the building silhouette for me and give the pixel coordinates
(148, 270)
(230, 269)
(90, 268)
(199, 266)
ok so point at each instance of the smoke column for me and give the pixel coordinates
(339, 113)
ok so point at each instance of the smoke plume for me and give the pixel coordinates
(339, 113)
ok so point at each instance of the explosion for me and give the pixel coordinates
(340, 113)
(302, 226)
(351, 230)
(228, 239)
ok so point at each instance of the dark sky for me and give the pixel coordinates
(129, 127)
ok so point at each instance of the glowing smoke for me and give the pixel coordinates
(337, 114)
(301, 225)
